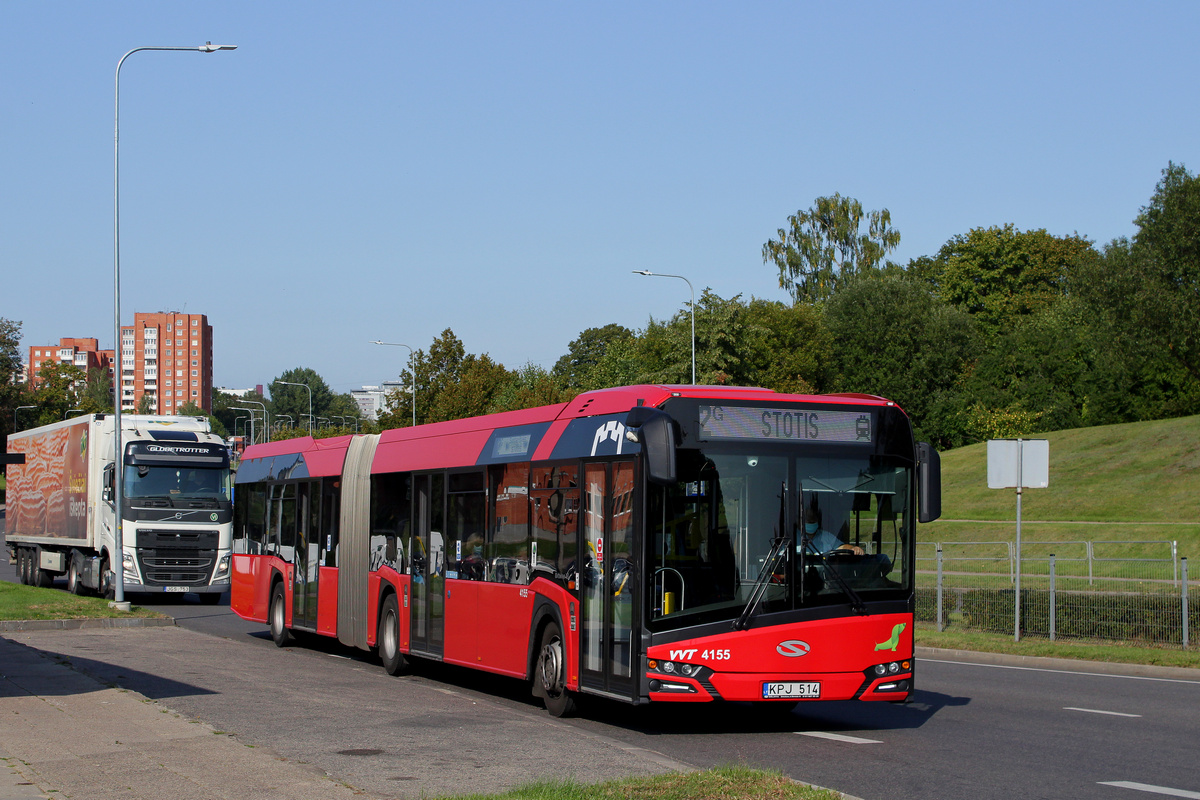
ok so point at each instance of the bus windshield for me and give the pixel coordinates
(746, 531)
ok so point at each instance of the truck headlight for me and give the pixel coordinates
(222, 570)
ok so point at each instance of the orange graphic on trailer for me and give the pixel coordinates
(47, 495)
(894, 642)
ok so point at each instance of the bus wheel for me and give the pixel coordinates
(393, 660)
(552, 673)
(278, 616)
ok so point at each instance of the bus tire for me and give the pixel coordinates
(393, 660)
(551, 673)
(278, 616)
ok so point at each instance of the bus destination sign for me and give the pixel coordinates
(785, 424)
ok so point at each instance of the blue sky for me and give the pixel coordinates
(385, 170)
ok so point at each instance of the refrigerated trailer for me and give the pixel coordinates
(177, 510)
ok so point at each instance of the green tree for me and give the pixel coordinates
(294, 399)
(788, 348)
(825, 245)
(893, 338)
(57, 392)
(190, 409)
(97, 397)
(1149, 288)
(450, 384)
(529, 387)
(1000, 274)
(145, 405)
(574, 371)
(11, 387)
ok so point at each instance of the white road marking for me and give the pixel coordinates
(1145, 787)
(1059, 671)
(1098, 711)
(838, 737)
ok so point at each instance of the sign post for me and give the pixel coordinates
(1020, 464)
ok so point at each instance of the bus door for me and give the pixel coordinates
(428, 565)
(307, 555)
(610, 586)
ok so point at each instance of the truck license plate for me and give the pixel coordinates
(175, 589)
(797, 690)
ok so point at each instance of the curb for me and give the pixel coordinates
(1059, 664)
(21, 625)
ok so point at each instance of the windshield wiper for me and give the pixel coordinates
(760, 585)
(856, 601)
(768, 567)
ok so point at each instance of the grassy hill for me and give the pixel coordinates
(1137, 481)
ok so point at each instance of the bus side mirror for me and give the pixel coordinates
(929, 483)
(654, 430)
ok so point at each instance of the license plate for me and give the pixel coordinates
(176, 589)
(795, 690)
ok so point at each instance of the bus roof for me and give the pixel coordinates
(541, 433)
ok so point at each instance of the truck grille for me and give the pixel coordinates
(177, 558)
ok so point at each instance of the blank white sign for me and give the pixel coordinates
(1029, 457)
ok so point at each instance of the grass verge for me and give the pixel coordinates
(725, 783)
(927, 635)
(29, 602)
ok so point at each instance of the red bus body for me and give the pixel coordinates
(650, 585)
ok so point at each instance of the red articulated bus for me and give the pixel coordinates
(643, 543)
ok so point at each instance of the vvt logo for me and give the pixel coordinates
(610, 430)
(792, 648)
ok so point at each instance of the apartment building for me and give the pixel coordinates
(168, 357)
(82, 352)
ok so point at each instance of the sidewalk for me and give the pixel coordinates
(64, 735)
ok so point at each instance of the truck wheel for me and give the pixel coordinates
(552, 673)
(278, 616)
(74, 584)
(107, 585)
(393, 660)
(22, 566)
(42, 577)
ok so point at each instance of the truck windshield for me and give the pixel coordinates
(176, 484)
(845, 521)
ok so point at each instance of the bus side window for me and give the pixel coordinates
(390, 511)
(505, 552)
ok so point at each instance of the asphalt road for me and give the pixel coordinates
(974, 730)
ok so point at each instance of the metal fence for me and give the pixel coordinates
(1131, 592)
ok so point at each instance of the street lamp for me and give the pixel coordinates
(648, 273)
(412, 368)
(118, 540)
(265, 417)
(252, 411)
(306, 386)
(15, 410)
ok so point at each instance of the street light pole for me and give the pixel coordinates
(306, 386)
(266, 420)
(412, 366)
(15, 410)
(118, 390)
(252, 411)
(648, 273)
